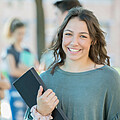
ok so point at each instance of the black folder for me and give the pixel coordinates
(28, 84)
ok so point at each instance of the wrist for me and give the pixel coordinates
(39, 110)
(38, 116)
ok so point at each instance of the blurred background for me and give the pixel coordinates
(39, 17)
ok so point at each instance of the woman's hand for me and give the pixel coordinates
(46, 102)
(2, 95)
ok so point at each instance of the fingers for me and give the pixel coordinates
(53, 100)
(55, 103)
(40, 91)
(47, 93)
(52, 103)
(50, 96)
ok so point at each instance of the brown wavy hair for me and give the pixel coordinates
(97, 52)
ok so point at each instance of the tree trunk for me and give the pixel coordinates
(40, 28)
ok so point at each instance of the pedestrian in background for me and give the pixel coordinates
(19, 60)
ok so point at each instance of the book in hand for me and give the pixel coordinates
(28, 85)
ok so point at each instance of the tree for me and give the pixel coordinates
(40, 28)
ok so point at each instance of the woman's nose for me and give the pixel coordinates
(74, 41)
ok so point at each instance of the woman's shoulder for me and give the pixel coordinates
(10, 50)
(48, 73)
(113, 77)
(111, 71)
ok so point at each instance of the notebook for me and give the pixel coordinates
(27, 58)
(27, 86)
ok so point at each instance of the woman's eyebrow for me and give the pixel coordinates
(68, 30)
(79, 32)
(83, 33)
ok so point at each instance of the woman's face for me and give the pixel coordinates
(19, 33)
(76, 40)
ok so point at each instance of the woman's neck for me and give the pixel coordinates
(79, 66)
(17, 46)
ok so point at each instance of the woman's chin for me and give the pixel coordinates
(74, 58)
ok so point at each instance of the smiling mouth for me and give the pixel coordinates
(74, 50)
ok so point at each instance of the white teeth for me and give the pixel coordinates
(73, 50)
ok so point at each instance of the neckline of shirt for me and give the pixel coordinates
(78, 73)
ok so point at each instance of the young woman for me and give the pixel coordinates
(83, 83)
(15, 51)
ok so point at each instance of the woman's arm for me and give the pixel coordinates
(4, 83)
(1, 94)
(13, 69)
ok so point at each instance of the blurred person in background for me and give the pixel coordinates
(61, 10)
(4, 85)
(19, 60)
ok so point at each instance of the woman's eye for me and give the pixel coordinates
(82, 36)
(68, 34)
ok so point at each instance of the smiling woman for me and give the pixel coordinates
(84, 84)
(80, 31)
(76, 41)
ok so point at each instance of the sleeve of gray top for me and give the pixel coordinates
(113, 98)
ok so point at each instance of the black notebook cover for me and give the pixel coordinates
(28, 84)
